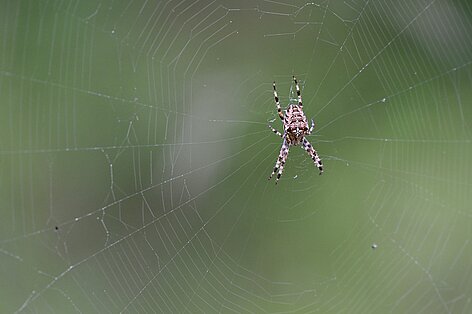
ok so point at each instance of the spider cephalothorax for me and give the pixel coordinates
(295, 129)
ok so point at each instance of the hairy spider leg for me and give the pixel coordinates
(299, 96)
(313, 154)
(279, 165)
(282, 164)
(275, 131)
(277, 103)
(312, 126)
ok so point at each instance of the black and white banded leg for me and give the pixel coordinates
(312, 126)
(313, 154)
(299, 96)
(275, 131)
(277, 103)
(279, 165)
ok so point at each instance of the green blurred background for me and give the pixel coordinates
(135, 154)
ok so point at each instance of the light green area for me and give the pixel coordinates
(134, 157)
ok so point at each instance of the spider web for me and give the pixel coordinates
(135, 154)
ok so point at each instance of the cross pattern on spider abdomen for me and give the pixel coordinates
(295, 129)
(295, 124)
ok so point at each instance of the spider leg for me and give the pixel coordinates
(312, 126)
(279, 165)
(298, 91)
(277, 103)
(275, 131)
(313, 154)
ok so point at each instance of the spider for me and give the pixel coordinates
(295, 130)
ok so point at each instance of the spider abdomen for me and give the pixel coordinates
(295, 124)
